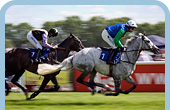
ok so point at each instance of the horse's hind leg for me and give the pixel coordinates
(15, 81)
(91, 81)
(103, 86)
(92, 76)
(7, 88)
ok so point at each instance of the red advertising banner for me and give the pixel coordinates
(150, 77)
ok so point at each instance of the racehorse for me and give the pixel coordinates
(18, 60)
(87, 61)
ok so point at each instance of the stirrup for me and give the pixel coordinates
(37, 60)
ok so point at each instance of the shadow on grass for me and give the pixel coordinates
(33, 102)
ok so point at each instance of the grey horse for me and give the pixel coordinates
(87, 61)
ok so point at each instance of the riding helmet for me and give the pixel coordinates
(54, 32)
(131, 23)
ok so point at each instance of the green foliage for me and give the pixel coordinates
(85, 101)
(152, 29)
(88, 31)
(16, 34)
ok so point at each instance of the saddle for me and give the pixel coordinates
(107, 48)
(43, 54)
(107, 53)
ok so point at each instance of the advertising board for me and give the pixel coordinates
(149, 76)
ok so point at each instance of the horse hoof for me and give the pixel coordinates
(56, 88)
(124, 92)
(28, 98)
(111, 94)
(99, 91)
(93, 92)
(7, 93)
(107, 87)
(33, 95)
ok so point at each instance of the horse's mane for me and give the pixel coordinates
(72, 35)
(69, 37)
(131, 40)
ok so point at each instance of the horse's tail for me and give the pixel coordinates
(67, 64)
(44, 69)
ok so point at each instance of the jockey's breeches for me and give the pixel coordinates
(107, 38)
(33, 41)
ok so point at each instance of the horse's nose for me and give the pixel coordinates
(80, 48)
(156, 51)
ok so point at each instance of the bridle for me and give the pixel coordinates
(143, 41)
(54, 57)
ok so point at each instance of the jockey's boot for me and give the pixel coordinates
(36, 58)
(111, 58)
(44, 50)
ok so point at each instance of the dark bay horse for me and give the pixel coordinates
(18, 60)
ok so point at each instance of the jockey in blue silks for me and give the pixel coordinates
(113, 34)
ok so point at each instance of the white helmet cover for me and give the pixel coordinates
(131, 23)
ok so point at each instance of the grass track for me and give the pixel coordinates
(85, 101)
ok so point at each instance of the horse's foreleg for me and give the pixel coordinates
(117, 82)
(129, 80)
(43, 85)
(55, 82)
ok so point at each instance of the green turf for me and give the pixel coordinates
(85, 101)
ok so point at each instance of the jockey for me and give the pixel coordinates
(113, 34)
(41, 35)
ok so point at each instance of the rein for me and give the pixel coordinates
(54, 57)
(128, 57)
(128, 60)
(135, 50)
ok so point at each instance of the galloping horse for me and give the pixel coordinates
(87, 61)
(18, 60)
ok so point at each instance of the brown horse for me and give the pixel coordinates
(18, 60)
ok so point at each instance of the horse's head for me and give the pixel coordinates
(76, 44)
(147, 44)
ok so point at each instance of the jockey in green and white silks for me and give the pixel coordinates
(113, 34)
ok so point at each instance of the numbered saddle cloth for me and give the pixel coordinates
(43, 54)
(106, 52)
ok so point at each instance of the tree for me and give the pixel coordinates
(17, 34)
(88, 31)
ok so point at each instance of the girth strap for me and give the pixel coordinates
(110, 70)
